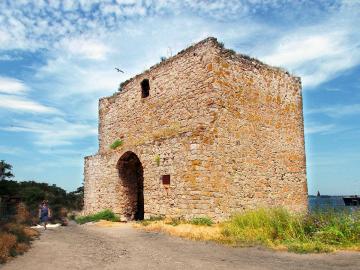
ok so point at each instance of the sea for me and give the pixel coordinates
(329, 202)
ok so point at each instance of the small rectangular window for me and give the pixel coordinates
(166, 179)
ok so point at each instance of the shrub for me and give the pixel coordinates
(72, 216)
(156, 218)
(20, 231)
(31, 233)
(175, 221)
(7, 243)
(145, 222)
(21, 248)
(157, 160)
(116, 144)
(103, 215)
(203, 221)
(23, 216)
(306, 247)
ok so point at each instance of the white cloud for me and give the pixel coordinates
(336, 111)
(295, 50)
(11, 86)
(55, 131)
(7, 57)
(86, 48)
(315, 128)
(4, 37)
(65, 77)
(316, 57)
(318, 53)
(22, 104)
(8, 150)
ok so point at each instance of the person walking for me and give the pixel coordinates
(44, 213)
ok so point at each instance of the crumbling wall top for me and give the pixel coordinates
(223, 52)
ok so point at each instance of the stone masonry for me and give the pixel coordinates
(218, 133)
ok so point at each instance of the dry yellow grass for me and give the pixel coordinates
(30, 232)
(7, 242)
(189, 231)
(106, 223)
(21, 248)
(22, 214)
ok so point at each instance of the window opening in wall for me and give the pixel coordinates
(165, 179)
(145, 88)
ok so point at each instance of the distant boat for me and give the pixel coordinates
(352, 200)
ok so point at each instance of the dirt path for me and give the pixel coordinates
(91, 247)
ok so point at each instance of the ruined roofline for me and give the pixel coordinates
(228, 53)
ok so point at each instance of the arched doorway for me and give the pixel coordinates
(131, 177)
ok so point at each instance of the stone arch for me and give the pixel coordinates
(132, 180)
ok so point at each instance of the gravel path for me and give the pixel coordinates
(92, 247)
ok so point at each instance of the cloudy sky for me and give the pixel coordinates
(58, 57)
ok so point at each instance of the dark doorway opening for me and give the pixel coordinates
(145, 88)
(131, 176)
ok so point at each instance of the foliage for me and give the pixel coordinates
(32, 194)
(5, 171)
(15, 237)
(313, 232)
(116, 144)
(103, 215)
(175, 221)
(7, 243)
(147, 222)
(276, 228)
(19, 208)
(157, 159)
(203, 221)
(19, 231)
(76, 198)
(22, 216)
(162, 58)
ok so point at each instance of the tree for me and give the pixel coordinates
(5, 171)
(75, 199)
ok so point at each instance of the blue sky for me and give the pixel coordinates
(57, 59)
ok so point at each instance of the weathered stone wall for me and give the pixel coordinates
(227, 129)
(258, 137)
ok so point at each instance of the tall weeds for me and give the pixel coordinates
(312, 232)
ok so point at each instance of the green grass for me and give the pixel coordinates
(175, 221)
(116, 144)
(147, 222)
(103, 215)
(314, 232)
(203, 221)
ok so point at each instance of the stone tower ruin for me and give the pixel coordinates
(207, 132)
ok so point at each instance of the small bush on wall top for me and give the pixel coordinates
(116, 144)
(157, 160)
